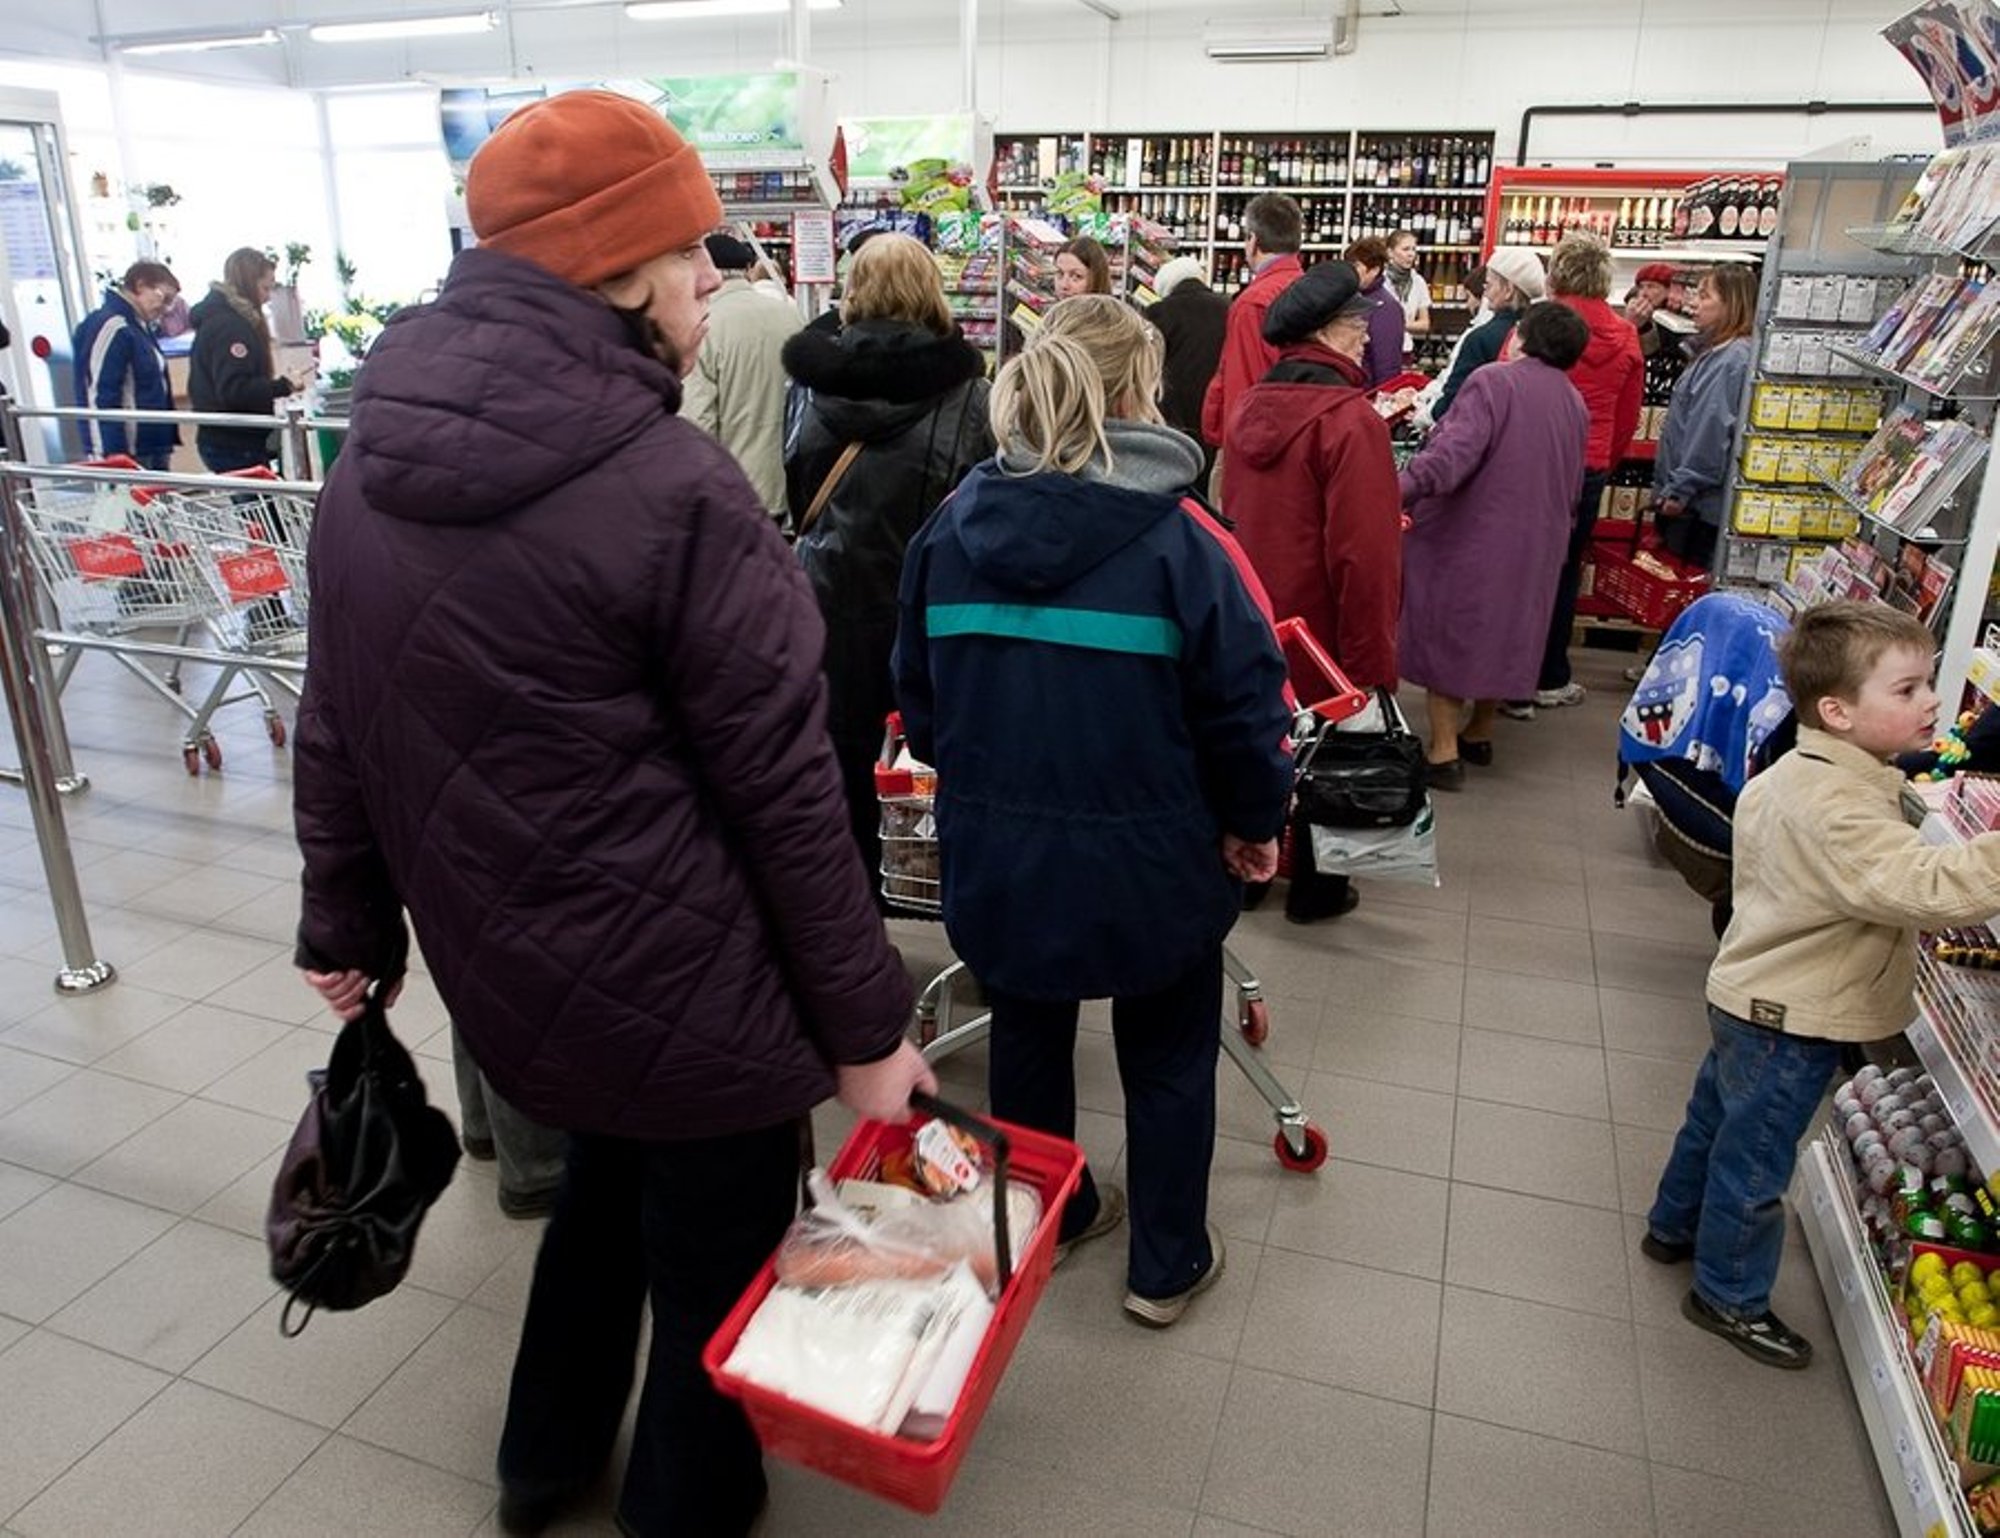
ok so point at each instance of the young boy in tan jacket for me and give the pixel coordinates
(1831, 882)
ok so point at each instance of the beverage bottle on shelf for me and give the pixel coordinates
(1728, 209)
(1767, 207)
(1701, 209)
(1621, 231)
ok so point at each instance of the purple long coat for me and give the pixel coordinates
(1491, 499)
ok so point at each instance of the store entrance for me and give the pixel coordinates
(43, 294)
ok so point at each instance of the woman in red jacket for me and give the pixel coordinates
(1313, 491)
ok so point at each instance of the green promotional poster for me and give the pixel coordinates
(735, 119)
(881, 149)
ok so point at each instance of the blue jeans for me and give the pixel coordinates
(1724, 1183)
(1167, 1043)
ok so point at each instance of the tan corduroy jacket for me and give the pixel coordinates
(1832, 880)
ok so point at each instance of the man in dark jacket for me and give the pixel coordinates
(229, 366)
(565, 708)
(1192, 319)
(118, 364)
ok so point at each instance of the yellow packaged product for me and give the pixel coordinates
(1761, 458)
(1752, 513)
(1806, 405)
(1771, 405)
(1785, 519)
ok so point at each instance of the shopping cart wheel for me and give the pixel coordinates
(191, 758)
(274, 728)
(1305, 1160)
(211, 752)
(1253, 1019)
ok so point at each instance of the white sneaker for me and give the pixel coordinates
(1568, 694)
(1518, 710)
(1163, 1313)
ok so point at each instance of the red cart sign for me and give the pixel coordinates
(106, 558)
(254, 574)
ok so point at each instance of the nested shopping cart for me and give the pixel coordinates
(911, 882)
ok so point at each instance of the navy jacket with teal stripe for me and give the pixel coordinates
(1102, 701)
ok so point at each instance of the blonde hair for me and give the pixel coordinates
(1580, 266)
(894, 277)
(1048, 404)
(1125, 347)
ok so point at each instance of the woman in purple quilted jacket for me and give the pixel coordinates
(565, 710)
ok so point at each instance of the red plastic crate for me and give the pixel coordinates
(914, 1474)
(1650, 587)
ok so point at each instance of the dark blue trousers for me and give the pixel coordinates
(1167, 1043)
(685, 1225)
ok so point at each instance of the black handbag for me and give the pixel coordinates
(369, 1157)
(1350, 779)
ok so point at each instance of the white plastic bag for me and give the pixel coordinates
(1407, 854)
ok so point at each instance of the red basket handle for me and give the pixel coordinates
(996, 1139)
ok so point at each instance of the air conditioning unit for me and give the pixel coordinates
(1264, 42)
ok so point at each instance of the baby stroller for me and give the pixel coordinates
(1709, 712)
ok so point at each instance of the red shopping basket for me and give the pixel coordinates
(1316, 678)
(1651, 586)
(913, 1474)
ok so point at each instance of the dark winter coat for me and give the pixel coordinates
(1192, 321)
(916, 402)
(564, 703)
(1317, 509)
(1482, 345)
(229, 369)
(118, 364)
(1103, 701)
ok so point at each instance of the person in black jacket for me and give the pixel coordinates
(229, 368)
(1192, 318)
(903, 389)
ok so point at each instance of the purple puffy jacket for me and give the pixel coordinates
(564, 707)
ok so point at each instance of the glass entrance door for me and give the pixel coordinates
(42, 297)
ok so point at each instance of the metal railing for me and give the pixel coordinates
(27, 634)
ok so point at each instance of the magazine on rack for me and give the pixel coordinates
(1909, 467)
(1916, 582)
(1960, 340)
(1896, 318)
(1937, 300)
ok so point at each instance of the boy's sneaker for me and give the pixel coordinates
(1159, 1313)
(1110, 1213)
(1518, 710)
(1668, 1252)
(1568, 694)
(1767, 1339)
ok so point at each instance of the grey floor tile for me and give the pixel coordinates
(1395, 1049)
(1550, 1371)
(1545, 1251)
(444, 1405)
(1653, 1025)
(1494, 1482)
(174, 1299)
(1244, 1183)
(1433, 990)
(243, 1204)
(66, 1240)
(1648, 1091)
(1530, 950)
(1086, 1300)
(189, 1050)
(1551, 1008)
(1517, 1148)
(120, 936)
(273, 1080)
(1366, 1215)
(192, 1461)
(25, 987)
(277, 990)
(118, 878)
(200, 965)
(351, 1488)
(1557, 901)
(1400, 931)
(201, 895)
(1300, 1458)
(1652, 966)
(1660, 909)
(24, 1075)
(73, 1122)
(1345, 1326)
(87, 1027)
(62, 1399)
(1642, 1155)
(1370, 1123)
(20, 1186)
(326, 1373)
(1695, 1505)
(1560, 1076)
(186, 1157)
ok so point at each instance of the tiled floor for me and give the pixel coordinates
(1448, 1330)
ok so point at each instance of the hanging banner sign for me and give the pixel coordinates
(1955, 46)
(882, 149)
(735, 120)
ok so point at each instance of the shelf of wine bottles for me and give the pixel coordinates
(1717, 208)
(1178, 160)
(1458, 162)
(1435, 221)
(1184, 214)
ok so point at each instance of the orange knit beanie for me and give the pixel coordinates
(589, 184)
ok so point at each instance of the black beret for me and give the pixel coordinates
(1327, 289)
(730, 254)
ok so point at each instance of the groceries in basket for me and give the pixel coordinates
(1364, 772)
(904, 787)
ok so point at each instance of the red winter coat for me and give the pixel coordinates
(1611, 378)
(1246, 356)
(1312, 487)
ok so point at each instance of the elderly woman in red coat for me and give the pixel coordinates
(1312, 486)
(1491, 501)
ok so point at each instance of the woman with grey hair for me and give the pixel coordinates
(1513, 282)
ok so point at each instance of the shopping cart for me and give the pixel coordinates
(910, 882)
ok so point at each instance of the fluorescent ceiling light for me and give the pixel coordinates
(203, 44)
(1254, 52)
(402, 26)
(690, 10)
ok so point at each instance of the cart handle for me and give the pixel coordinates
(996, 1139)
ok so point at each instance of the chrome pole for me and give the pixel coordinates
(68, 782)
(28, 709)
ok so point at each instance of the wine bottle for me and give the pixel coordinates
(1767, 207)
(1729, 219)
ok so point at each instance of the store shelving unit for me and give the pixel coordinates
(1633, 211)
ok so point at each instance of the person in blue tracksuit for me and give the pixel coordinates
(1104, 706)
(119, 364)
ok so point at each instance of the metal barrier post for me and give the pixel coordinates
(294, 451)
(68, 781)
(28, 710)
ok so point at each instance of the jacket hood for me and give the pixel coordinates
(1278, 409)
(510, 384)
(211, 304)
(874, 378)
(1144, 457)
(1039, 533)
(1609, 333)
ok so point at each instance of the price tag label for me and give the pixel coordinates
(1819, 1201)
(1905, 1454)
(1849, 1285)
(1880, 1373)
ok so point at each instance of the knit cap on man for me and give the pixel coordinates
(588, 185)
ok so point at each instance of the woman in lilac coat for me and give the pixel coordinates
(1490, 501)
